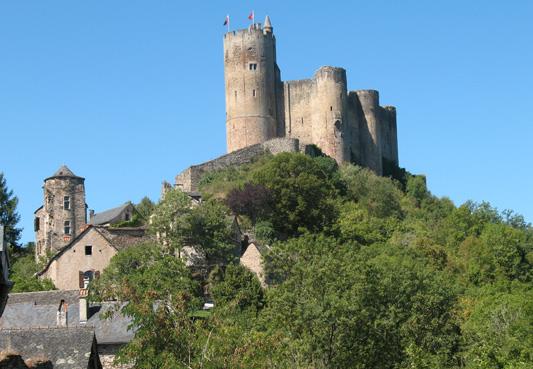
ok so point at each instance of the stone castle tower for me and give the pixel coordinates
(64, 213)
(349, 126)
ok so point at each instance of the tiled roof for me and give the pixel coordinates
(63, 171)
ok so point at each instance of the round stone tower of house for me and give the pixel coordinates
(251, 77)
(63, 214)
(330, 124)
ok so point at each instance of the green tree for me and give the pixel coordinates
(301, 191)
(9, 216)
(236, 288)
(23, 269)
(498, 329)
(145, 208)
(161, 298)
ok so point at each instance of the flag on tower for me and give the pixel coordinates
(251, 16)
(226, 21)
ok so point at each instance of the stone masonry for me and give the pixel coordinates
(349, 126)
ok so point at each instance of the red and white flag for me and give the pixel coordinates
(251, 16)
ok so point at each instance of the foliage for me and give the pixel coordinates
(301, 193)
(253, 201)
(161, 297)
(23, 269)
(9, 216)
(236, 288)
(363, 272)
(145, 208)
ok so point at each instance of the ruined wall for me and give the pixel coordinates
(251, 77)
(51, 218)
(189, 179)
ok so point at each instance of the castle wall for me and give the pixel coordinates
(298, 98)
(189, 179)
(251, 85)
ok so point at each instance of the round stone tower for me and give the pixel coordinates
(330, 124)
(64, 212)
(371, 139)
(251, 74)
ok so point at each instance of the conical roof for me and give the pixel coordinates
(64, 171)
(267, 24)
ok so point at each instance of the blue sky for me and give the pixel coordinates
(129, 93)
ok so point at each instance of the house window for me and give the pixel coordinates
(36, 224)
(87, 278)
(253, 66)
(88, 250)
(66, 202)
(127, 217)
(66, 227)
(254, 93)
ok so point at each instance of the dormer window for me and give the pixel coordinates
(253, 66)
(66, 227)
(66, 202)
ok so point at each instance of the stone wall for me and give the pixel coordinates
(189, 179)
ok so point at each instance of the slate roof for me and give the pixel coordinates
(108, 216)
(66, 348)
(39, 310)
(63, 171)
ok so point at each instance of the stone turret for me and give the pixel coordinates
(64, 212)
(252, 82)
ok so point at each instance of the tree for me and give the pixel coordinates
(301, 190)
(345, 307)
(145, 208)
(170, 220)
(252, 200)
(497, 330)
(161, 298)
(9, 216)
(23, 269)
(236, 288)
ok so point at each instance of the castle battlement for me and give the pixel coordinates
(349, 126)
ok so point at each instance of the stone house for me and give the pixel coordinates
(252, 258)
(85, 257)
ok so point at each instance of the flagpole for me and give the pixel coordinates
(227, 17)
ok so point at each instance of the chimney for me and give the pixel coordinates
(62, 314)
(91, 216)
(84, 306)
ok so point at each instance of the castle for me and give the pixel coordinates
(266, 115)
(349, 126)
